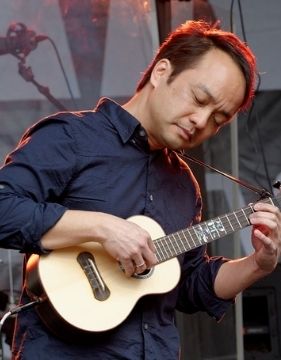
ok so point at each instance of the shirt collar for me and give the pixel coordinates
(124, 122)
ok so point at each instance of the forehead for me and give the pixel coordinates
(217, 76)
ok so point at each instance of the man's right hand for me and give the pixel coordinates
(128, 243)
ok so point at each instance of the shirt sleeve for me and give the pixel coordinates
(31, 182)
(197, 284)
(196, 287)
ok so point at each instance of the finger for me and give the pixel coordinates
(263, 229)
(128, 267)
(140, 264)
(149, 254)
(146, 257)
(139, 261)
(267, 242)
(265, 207)
(151, 245)
(266, 220)
(140, 268)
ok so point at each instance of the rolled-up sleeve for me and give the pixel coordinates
(31, 183)
(197, 285)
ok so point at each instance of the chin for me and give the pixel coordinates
(177, 143)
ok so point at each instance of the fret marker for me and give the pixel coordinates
(210, 229)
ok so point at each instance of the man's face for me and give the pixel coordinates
(196, 104)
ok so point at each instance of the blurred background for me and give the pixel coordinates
(60, 55)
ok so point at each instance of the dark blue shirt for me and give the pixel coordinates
(100, 161)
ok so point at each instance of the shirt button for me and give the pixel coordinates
(151, 197)
(142, 132)
(145, 326)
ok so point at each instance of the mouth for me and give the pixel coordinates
(185, 134)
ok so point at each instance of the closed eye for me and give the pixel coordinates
(220, 119)
(199, 101)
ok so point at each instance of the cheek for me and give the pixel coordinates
(208, 132)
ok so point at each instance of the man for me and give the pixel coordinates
(78, 177)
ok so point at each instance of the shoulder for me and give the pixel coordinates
(60, 125)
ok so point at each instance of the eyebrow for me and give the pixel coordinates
(209, 94)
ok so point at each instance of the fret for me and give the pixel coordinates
(179, 242)
(249, 210)
(167, 248)
(189, 231)
(232, 228)
(252, 208)
(248, 222)
(243, 220)
(228, 224)
(237, 219)
(159, 253)
(205, 232)
(193, 238)
(234, 221)
(172, 245)
(189, 235)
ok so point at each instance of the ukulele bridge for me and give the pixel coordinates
(87, 262)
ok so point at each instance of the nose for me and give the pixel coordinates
(200, 118)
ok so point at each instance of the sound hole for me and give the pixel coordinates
(144, 275)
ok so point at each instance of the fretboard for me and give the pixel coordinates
(172, 245)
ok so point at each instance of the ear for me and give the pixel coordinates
(161, 71)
